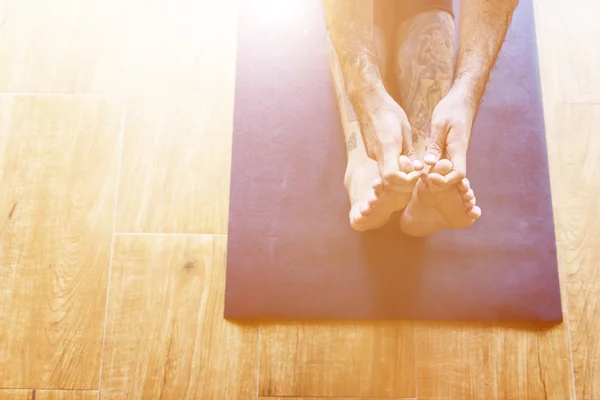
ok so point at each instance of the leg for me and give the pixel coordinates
(425, 46)
(371, 205)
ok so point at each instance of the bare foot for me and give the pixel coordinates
(372, 201)
(431, 210)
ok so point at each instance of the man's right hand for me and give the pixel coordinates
(387, 136)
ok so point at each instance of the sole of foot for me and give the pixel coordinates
(430, 211)
(373, 201)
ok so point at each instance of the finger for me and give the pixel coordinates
(406, 165)
(408, 148)
(417, 164)
(388, 164)
(435, 144)
(457, 153)
(425, 177)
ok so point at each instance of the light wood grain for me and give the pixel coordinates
(15, 394)
(166, 336)
(574, 145)
(62, 46)
(66, 395)
(567, 35)
(58, 182)
(482, 362)
(327, 398)
(337, 360)
(177, 151)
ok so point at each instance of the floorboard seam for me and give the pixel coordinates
(565, 276)
(258, 363)
(114, 225)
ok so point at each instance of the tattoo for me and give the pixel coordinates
(343, 102)
(350, 25)
(424, 67)
(352, 143)
(341, 87)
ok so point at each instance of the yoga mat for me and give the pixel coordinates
(291, 251)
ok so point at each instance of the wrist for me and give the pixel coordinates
(366, 91)
(470, 89)
(465, 100)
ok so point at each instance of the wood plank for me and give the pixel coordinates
(66, 395)
(574, 146)
(62, 46)
(330, 398)
(15, 394)
(457, 361)
(337, 360)
(569, 57)
(180, 115)
(166, 336)
(58, 159)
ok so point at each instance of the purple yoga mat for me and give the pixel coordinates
(291, 251)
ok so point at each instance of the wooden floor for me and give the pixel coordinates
(115, 136)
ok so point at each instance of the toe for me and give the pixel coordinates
(468, 195)
(403, 183)
(438, 171)
(372, 199)
(364, 208)
(378, 187)
(464, 185)
(474, 212)
(442, 167)
(436, 179)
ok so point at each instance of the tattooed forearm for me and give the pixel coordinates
(350, 24)
(482, 31)
(425, 68)
(351, 143)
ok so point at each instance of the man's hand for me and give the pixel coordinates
(451, 124)
(384, 125)
(387, 135)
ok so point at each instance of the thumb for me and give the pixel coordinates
(435, 144)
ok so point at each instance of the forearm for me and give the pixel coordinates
(483, 26)
(350, 25)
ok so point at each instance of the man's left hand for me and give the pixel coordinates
(451, 124)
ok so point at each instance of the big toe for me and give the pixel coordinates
(442, 167)
(435, 176)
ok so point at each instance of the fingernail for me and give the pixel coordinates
(429, 158)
